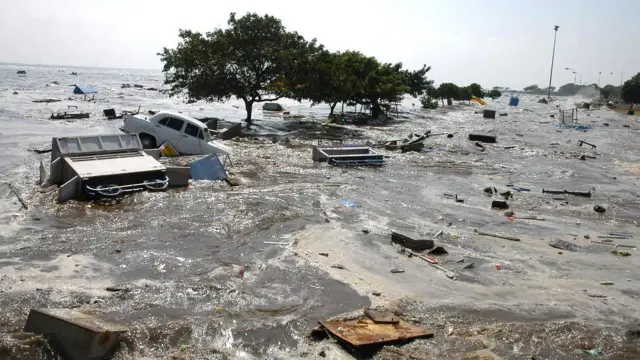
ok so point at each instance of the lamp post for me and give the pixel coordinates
(574, 74)
(599, 73)
(553, 55)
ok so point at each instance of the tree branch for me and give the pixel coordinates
(273, 99)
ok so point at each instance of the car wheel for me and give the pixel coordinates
(147, 142)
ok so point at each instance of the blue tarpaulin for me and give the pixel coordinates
(84, 90)
(514, 101)
(208, 168)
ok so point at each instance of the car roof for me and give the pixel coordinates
(182, 116)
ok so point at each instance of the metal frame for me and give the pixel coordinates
(122, 189)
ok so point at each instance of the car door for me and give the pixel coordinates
(173, 131)
(162, 132)
(192, 139)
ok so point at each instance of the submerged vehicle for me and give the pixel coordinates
(186, 135)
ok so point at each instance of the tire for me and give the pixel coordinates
(147, 141)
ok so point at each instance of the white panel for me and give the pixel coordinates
(69, 189)
(55, 171)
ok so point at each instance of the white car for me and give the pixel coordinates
(186, 135)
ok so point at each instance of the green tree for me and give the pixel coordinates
(417, 82)
(387, 83)
(494, 94)
(330, 80)
(383, 84)
(255, 59)
(610, 91)
(448, 91)
(630, 92)
(430, 98)
(532, 89)
(476, 90)
(465, 94)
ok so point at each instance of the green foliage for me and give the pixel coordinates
(494, 94)
(430, 98)
(428, 102)
(610, 91)
(465, 94)
(417, 82)
(387, 83)
(631, 90)
(476, 90)
(255, 59)
(335, 78)
(532, 89)
(449, 91)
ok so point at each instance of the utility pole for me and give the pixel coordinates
(599, 73)
(553, 55)
(574, 74)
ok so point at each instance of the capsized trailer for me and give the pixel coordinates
(103, 166)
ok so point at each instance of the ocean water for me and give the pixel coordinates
(202, 283)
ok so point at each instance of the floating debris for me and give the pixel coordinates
(410, 243)
(365, 331)
(564, 245)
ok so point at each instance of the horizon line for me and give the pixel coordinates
(77, 66)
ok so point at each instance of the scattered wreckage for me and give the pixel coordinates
(68, 116)
(186, 135)
(347, 155)
(109, 166)
(103, 166)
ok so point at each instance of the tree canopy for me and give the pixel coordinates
(476, 90)
(610, 91)
(451, 91)
(631, 90)
(257, 59)
(532, 89)
(494, 94)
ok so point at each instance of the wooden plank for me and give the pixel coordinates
(382, 317)
(364, 331)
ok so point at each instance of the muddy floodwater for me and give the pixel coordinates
(220, 272)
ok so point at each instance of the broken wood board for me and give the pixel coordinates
(364, 331)
(381, 317)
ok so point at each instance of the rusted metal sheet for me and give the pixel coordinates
(364, 331)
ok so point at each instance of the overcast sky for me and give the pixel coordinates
(492, 42)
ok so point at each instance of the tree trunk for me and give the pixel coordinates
(376, 110)
(333, 106)
(248, 104)
(442, 101)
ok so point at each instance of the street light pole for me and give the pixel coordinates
(574, 74)
(553, 55)
(599, 73)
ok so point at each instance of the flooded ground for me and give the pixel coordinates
(179, 256)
